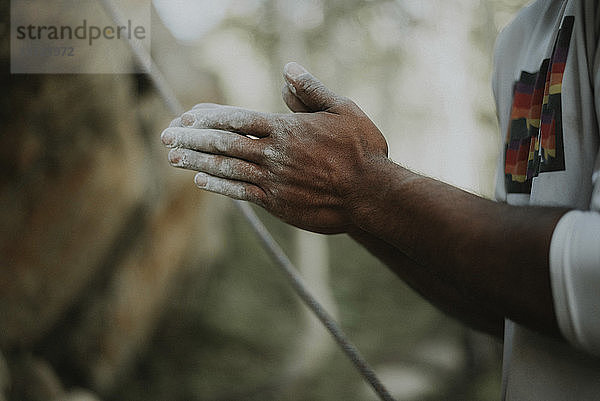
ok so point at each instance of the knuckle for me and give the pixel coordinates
(220, 145)
(285, 124)
(205, 163)
(270, 122)
(222, 165)
(255, 150)
(272, 155)
(310, 86)
(261, 177)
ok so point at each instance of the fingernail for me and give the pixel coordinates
(188, 119)
(167, 137)
(201, 180)
(294, 70)
(175, 157)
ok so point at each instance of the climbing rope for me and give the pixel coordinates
(143, 58)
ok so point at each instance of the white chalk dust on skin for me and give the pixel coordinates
(225, 187)
(188, 119)
(222, 118)
(203, 140)
(291, 87)
(272, 155)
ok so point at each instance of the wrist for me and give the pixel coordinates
(378, 188)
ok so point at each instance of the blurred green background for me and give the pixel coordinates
(123, 282)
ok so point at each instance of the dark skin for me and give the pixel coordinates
(325, 168)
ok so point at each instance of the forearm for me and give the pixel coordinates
(440, 292)
(495, 252)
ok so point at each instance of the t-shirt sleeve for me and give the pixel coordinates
(575, 278)
(575, 263)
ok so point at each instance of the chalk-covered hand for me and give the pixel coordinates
(308, 168)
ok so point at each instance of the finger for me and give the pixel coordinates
(233, 189)
(308, 89)
(292, 102)
(234, 119)
(213, 141)
(216, 165)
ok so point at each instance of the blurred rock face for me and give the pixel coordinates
(75, 171)
(95, 227)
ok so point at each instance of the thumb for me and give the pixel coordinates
(292, 102)
(308, 89)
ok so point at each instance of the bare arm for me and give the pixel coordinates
(326, 170)
(493, 254)
(436, 289)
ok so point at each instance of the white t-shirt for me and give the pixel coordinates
(546, 69)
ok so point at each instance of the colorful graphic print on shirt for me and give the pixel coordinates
(534, 141)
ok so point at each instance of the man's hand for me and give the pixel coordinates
(325, 169)
(307, 168)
